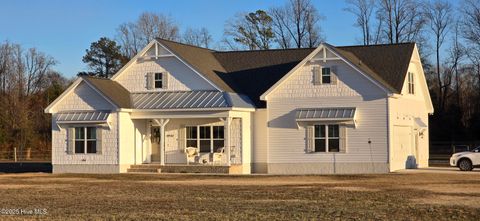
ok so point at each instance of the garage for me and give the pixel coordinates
(402, 154)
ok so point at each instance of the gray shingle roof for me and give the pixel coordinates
(111, 89)
(246, 75)
(254, 72)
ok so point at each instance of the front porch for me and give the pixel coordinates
(192, 142)
(172, 168)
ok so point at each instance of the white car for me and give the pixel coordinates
(467, 160)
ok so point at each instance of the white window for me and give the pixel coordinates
(85, 140)
(327, 138)
(207, 138)
(158, 81)
(411, 83)
(326, 76)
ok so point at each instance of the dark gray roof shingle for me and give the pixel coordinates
(111, 89)
(254, 72)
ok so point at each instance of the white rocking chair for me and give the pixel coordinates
(191, 153)
(218, 156)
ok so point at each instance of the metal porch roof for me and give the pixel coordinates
(189, 100)
(335, 113)
(83, 117)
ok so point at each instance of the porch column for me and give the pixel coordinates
(228, 121)
(162, 123)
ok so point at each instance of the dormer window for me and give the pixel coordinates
(323, 75)
(411, 83)
(326, 76)
(158, 80)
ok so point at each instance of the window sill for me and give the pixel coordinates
(326, 153)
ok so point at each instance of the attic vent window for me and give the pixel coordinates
(411, 83)
(158, 80)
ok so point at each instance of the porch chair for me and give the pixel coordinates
(191, 153)
(217, 156)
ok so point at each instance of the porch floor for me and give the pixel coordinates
(178, 168)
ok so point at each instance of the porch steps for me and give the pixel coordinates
(156, 168)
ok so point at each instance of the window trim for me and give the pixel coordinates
(326, 138)
(85, 140)
(411, 83)
(329, 75)
(155, 80)
(211, 139)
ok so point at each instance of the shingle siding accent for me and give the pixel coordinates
(109, 153)
(349, 83)
(181, 77)
(83, 98)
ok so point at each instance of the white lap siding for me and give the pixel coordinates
(84, 98)
(287, 143)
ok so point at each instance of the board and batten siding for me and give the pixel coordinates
(126, 141)
(181, 77)
(260, 145)
(405, 117)
(84, 98)
(286, 141)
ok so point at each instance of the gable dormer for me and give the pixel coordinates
(156, 68)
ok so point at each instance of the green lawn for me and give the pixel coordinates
(199, 197)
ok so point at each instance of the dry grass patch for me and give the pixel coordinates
(208, 197)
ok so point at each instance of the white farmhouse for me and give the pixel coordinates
(181, 108)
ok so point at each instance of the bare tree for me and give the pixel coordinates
(439, 15)
(457, 53)
(253, 30)
(300, 19)
(471, 32)
(134, 36)
(282, 36)
(128, 38)
(37, 65)
(151, 25)
(198, 37)
(471, 21)
(363, 10)
(403, 20)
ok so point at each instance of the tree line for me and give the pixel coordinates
(27, 85)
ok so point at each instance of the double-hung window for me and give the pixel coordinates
(207, 138)
(192, 137)
(158, 81)
(411, 83)
(327, 138)
(326, 76)
(85, 140)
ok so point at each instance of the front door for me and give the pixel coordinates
(155, 144)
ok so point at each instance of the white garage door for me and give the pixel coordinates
(402, 149)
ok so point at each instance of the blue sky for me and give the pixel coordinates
(64, 29)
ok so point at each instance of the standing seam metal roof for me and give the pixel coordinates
(189, 100)
(326, 113)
